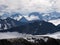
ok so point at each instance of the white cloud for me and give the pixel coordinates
(57, 5)
(36, 5)
(27, 6)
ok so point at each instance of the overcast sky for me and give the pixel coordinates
(27, 6)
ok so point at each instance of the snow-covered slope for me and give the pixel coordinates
(51, 16)
(32, 17)
(16, 16)
(36, 15)
(8, 23)
(55, 22)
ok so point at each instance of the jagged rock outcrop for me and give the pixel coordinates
(21, 41)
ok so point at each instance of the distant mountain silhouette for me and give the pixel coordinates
(51, 16)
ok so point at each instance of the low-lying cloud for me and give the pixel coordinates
(27, 6)
(9, 35)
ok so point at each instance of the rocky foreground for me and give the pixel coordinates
(30, 41)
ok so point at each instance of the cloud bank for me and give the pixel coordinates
(9, 35)
(27, 6)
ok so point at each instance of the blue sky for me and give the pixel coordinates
(27, 6)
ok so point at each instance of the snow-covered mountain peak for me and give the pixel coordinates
(16, 16)
(32, 17)
(8, 23)
(36, 14)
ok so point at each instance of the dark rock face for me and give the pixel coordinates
(8, 23)
(52, 41)
(35, 28)
(5, 42)
(22, 41)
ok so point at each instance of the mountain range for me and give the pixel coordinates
(35, 27)
(8, 23)
(19, 23)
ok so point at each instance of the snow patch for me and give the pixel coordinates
(55, 22)
(32, 18)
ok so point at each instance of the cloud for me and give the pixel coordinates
(27, 6)
(9, 35)
(36, 5)
(57, 5)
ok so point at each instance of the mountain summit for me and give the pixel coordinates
(37, 14)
